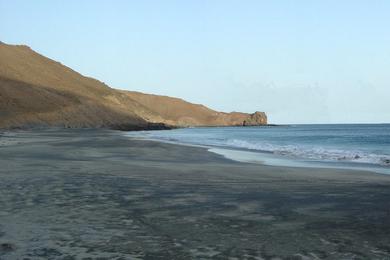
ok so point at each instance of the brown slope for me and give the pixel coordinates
(35, 90)
(175, 111)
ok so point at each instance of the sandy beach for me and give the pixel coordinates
(96, 194)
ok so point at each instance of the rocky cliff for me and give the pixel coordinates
(257, 118)
(37, 91)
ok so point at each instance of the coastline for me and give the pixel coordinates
(270, 159)
(95, 193)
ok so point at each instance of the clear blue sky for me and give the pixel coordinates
(300, 61)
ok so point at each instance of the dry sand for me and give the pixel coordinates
(94, 194)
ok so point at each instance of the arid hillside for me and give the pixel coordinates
(175, 111)
(37, 91)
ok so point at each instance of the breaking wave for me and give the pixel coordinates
(313, 153)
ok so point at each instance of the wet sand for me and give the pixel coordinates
(95, 194)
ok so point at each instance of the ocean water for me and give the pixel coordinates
(362, 146)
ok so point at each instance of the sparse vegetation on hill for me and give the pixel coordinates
(37, 91)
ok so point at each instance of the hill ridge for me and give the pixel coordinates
(38, 91)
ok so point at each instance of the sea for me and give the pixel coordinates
(351, 146)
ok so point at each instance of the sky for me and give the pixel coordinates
(305, 61)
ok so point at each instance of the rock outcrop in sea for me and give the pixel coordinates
(257, 118)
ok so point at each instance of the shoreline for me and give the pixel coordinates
(96, 193)
(271, 159)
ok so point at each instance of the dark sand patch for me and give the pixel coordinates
(94, 194)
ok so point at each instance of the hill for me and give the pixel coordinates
(38, 91)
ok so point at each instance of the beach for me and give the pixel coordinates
(97, 194)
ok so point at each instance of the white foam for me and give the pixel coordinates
(314, 153)
(278, 154)
(275, 160)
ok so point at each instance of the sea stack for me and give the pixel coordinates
(255, 119)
